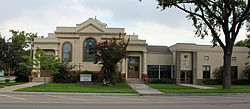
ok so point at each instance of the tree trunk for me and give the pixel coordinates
(227, 68)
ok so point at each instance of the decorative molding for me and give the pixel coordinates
(68, 37)
(90, 33)
(88, 26)
(112, 38)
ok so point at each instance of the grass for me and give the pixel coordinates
(233, 86)
(175, 88)
(73, 87)
(10, 84)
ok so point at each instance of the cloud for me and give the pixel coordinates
(157, 27)
(46, 19)
(160, 34)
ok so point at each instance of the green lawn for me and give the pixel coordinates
(175, 88)
(73, 87)
(10, 84)
(233, 86)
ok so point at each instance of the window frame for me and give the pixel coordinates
(206, 72)
(84, 58)
(71, 50)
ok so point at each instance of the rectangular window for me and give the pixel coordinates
(165, 71)
(153, 71)
(206, 72)
(234, 73)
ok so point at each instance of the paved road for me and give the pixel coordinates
(60, 101)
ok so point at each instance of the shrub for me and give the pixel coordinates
(162, 81)
(241, 82)
(247, 72)
(211, 82)
(218, 74)
(7, 80)
(64, 75)
(22, 72)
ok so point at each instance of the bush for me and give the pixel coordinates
(247, 72)
(162, 81)
(241, 82)
(7, 80)
(218, 74)
(64, 75)
(211, 82)
(22, 72)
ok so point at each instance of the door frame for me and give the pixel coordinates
(186, 77)
(139, 66)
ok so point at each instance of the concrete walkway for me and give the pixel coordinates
(143, 89)
(16, 87)
(198, 86)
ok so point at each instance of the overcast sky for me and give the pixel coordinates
(142, 18)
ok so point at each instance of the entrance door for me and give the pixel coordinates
(186, 77)
(133, 67)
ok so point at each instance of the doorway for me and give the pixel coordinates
(133, 67)
(186, 77)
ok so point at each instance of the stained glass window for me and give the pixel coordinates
(88, 44)
(67, 50)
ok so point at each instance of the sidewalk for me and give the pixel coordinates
(143, 89)
(12, 88)
(198, 86)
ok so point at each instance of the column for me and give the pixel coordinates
(123, 73)
(145, 67)
(56, 54)
(123, 65)
(144, 62)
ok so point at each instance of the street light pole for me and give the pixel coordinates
(79, 67)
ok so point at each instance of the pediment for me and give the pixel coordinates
(91, 29)
(91, 26)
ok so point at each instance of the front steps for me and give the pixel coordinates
(134, 81)
(41, 79)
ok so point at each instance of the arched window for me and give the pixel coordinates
(67, 52)
(88, 44)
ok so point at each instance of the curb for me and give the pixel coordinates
(206, 94)
(130, 94)
(72, 93)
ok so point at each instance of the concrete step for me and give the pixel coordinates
(41, 79)
(134, 81)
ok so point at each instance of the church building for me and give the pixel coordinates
(186, 63)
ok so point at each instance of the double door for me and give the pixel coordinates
(133, 67)
(186, 77)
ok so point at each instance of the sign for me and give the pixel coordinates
(2, 73)
(85, 77)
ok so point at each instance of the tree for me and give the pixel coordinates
(218, 16)
(244, 43)
(3, 53)
(14, 54)
(218, 74)
(108, 54)
(46, 62)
